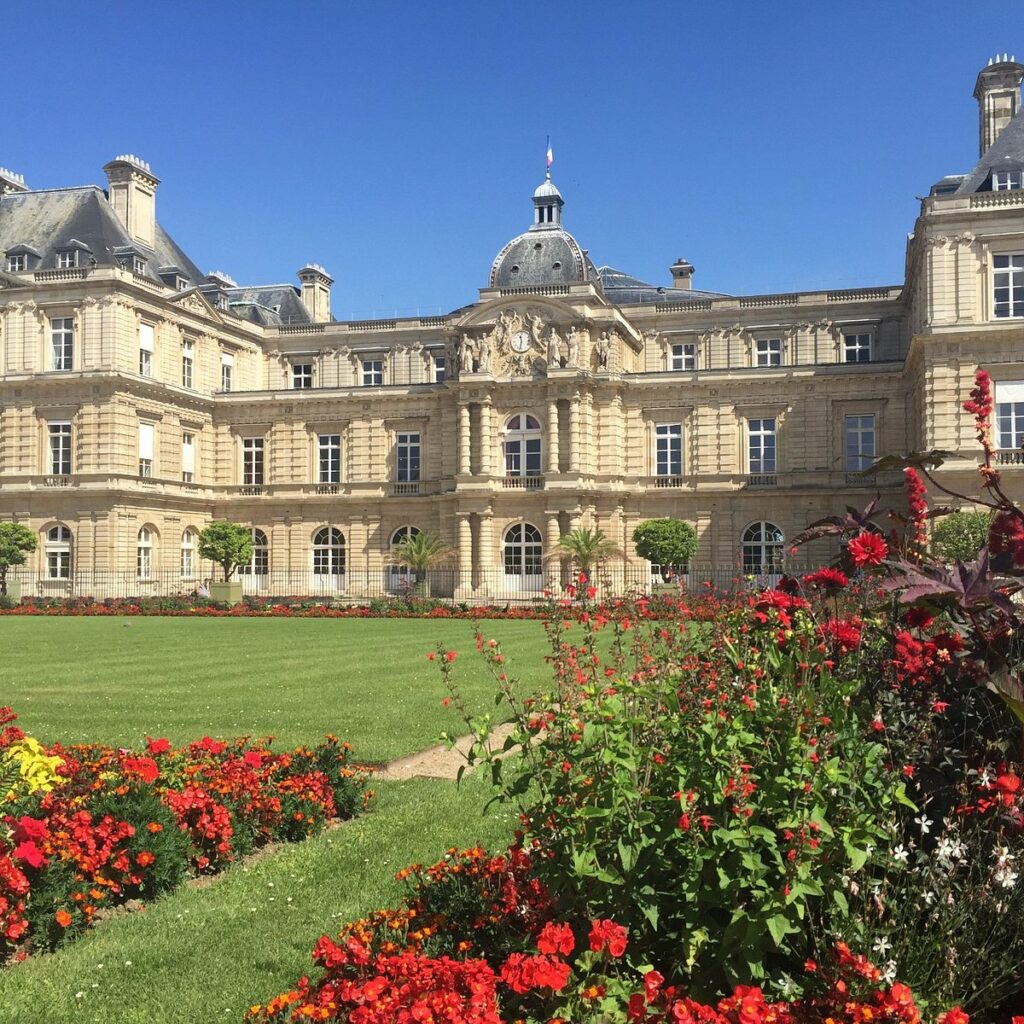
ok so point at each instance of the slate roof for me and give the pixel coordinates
(548, 255)
(624, 290)
(50, 219)
(1005, 154)
(270, 304)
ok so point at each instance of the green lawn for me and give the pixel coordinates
(367, 680)
(205, 955)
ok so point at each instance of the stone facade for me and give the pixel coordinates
(140, 399)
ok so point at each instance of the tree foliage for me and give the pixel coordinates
(227, 544)
(420, 552)
(669, 543)
(16, 541)
(586, 548)
(961, 535)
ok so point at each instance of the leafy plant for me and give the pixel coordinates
(961, 535)
(16, 541)
(227, 544)
(420, 552)
(668, 543)
(586, 548)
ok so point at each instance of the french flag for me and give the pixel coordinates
(549, 157)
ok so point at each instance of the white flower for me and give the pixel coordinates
(929, 898)
(1004, 875)
(900, 855)
(925, 823)
(889, 972)
(882, 945)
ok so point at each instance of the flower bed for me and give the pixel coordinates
(85, 829)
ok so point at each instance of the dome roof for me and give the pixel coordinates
(549, 256)
(546, 188)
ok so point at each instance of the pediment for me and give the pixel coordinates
(195, 302)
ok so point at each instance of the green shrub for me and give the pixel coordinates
(668, 543)
(961, 535)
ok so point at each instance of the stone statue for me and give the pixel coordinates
(536, 329)
(573, 346)
(466, 354)
(554, 348)
(604, 350)
(484, 355)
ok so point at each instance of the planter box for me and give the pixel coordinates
(228, 593)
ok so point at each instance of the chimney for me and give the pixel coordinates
(131, 189)
(998, 94)
(11, 182)
(316, 292)
(682, 274)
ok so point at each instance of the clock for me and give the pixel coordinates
(520, 341)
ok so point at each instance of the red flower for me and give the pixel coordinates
(556, 938)
(957, 1016)
(144, 859)
(160, 746)
(653, 981)
(606, 934)
(918, 618)
(831, 581)
(449, 656)
(63, 918)
(867, 549)
(637, 1007)
(1006, 536)
(30, 854)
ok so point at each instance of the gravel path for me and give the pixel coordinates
(437, 762)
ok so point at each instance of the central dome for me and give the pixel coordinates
(547, 253)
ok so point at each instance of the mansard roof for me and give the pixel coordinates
(625, 290)
(272, 305)
(50, 220)
(1005, 154)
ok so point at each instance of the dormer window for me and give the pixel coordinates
(183, 284)
(67, 258)
(139, 265)
(17, 263)
(1006, 181)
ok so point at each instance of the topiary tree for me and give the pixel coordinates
(227, 544)
(668, 543)
(16, 541)
(961, 535)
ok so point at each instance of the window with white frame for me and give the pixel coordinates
(146, 445)
(373, 373)
(1008, 285)
(522, 446)
(407, 456)
(762, 548)
(182, 284)
(144, 554)
(329, 458)
(67, 258)
(522, 550)
(857, 348)
(328, 552)
(188, 457)
(227, 370)
(146, 336)
(138, 265)
(58, 553)
(668, 449)
(402, 575)
(683, 356)
(252, 461)
(859, 442)
(188, 363)
(1010, 416)
(768, 352)
(302, 376)
(60, 447)
(16, 263)
(62, 342)
(1004, 181)
(440, 368)
(761, 447)
(259, 561)
(188, 553)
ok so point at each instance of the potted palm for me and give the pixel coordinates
(586, 549)
(229, 545)
(669, 544)
(419, 553)
(16, 541)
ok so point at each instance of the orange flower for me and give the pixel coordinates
(63, 918)
(144, 859)
(154, 827)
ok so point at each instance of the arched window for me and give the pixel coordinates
(762, 545)
(328, 552)
(401, 575)
(259, 563)
(144, 554)
(402, 533)
(188, 553)
(522, 550)
(522, 446)
(58, 553)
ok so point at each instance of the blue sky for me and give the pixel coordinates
(776, 146)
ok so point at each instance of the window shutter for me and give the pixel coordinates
(188, 456)
(146, 441)
(1009, 391)
(146, 337)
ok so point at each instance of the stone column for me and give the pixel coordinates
(465, 587)
(485, 553)
(553, 571)
(464, 439)
(574, 434)
(486, 454)
(552, 466)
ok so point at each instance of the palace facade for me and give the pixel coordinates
(141, 398)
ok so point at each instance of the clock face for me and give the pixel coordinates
(520, 341)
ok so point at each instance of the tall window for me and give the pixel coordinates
(227, 370)
(768, 352)
(146, 334)
(58, 553)
(328, 552)
(144, 554)
(188, 359)
(146, 435)
(188, 553)
(762, 545)
(683, 357)
(1008, 282)
(402, 575)
(856, 348)
(439, 368)
(302, 375)
(522, 446)
(252, 460)
(188, 457)
(373, 372)
(859, 442)
(259, 563)
(668, 449)
(1003, 181)
(60, 448)
(1010, 415)
(329, 452)
(407, 457)
(761, 446)
(522, 550)
(62, 343)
